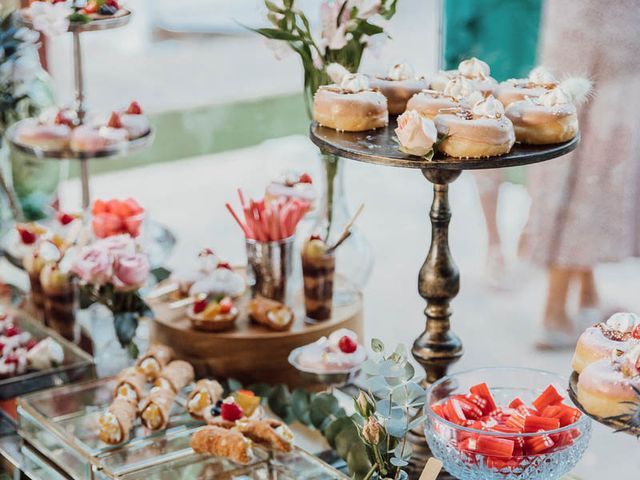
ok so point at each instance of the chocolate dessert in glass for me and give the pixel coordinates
(318, 272)
(33, 264)
(60, 301)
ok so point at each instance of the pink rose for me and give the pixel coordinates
(118, 245)
(93, 266)
(416, 134)
(131, 271)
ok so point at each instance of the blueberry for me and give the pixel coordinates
(107, 10)
(215, 411)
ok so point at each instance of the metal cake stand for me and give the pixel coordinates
(77, 28)
(437, 347)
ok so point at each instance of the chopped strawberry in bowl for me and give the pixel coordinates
(505, 423)
(115, 217)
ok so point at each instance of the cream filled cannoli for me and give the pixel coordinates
(204, 395)
(270, 313)
(175, 376)
(156, 408)
(271, 434)
(154, 360)
(222, 443)
(116, 423)
(130, 384)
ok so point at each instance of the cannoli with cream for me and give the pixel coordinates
(222, 443)
(271, 314)
(153, 361)
(204, 395)
(116, 423)
(175, 376)
(156, 408)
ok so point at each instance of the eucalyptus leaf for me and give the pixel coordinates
(300, 400)
(279, 401)
(416, 422)
(358, 460)
(403, 450)
(322, 409)
(261, 389)
(335, 427)
(378, 386)
(397, 427)
(125, 324)
(345, 439)
(398, 462)
(400, 394)
(370, 367)
(390, 369)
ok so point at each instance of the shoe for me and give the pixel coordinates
(556, 340)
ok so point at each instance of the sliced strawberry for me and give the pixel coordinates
(62, 119)
(315, 237)
(305, 178)
(550, 396)
(200, 306)
(347, 345)
(114, 121)
(112, 3)
(32, 342)
(231, 411)
(134, 108)
(226, 304)
(482, 390)
(12, 358)
(99, 206)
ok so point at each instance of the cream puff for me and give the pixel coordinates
(606, 387)
(474, 70)
(351, 106)
(540, 80)
(399, 85)
(619, 333)
(33, 133)
(550, 118)
(428, 103)
(480, 131)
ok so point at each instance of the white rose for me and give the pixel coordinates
(416, 134)
(488, 107)
(354, 82)
(401, 71)
(474, 68)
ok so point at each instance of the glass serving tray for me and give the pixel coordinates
(77, 364)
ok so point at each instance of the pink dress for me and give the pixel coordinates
(586, 206)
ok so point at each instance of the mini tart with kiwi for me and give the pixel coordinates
(213, 315)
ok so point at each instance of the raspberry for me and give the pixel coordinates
(65, 218)
(31, 343)
(11, 331)
(347, 345)
(200, 306)
(11, 358)
(305, 178)
(231, 412)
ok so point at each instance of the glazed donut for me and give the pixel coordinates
(86, 138)
(32, 133)
(540, 80)
(350, 107)
(474, 70)
(429, 103)
(482, 131)
(605, 385)
(398, 86)
(620, 332)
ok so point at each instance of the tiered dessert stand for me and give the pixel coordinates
(439, 280)
(76, 30)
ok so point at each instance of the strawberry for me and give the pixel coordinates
(11, 358)
(225, 265)
(347, 345)
(636, 332)
(134, 108)
(27, 236)
(112, 3)
(1, 347)
(11, 331)
(226, 304)
(114, 121)
(65, 218)
(200, 306)
(305, 178)
(231, 411)
(31, 343)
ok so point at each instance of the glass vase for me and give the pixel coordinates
(354, 258)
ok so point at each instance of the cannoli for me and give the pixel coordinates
(271, 314)
(175, 376)
(271, 434)
(222, 443)
(156, 408)
(154, 360)
(130, 384)
(204, 395)
(116, 423)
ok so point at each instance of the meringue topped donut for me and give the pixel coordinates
(540, 80)
(606, 387)
(399, 85)
(33, 133)
(477, 71)
(351, 106)
(428, 103)
(620, 332)
(480, 131)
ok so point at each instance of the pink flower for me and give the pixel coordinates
(118, 245)
(334, 29)
(131, 271)
(416, 134)
(366, 8)
(93, 266)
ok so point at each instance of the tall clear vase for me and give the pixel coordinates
(354, 258)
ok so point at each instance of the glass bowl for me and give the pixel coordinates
(453, 443)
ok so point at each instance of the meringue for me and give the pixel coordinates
(489, 107)
(400, 71)
(354, 83)
(474, 68)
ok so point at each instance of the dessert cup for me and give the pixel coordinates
(60, 302)
(33, 264)
(318, 272)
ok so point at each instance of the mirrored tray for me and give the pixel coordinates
(77, 364)
(106, 23)
(616, 424)
(122, 149)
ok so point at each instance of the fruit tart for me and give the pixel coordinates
(270, 313)
(399, 85)
(338, 353)
(213, 314)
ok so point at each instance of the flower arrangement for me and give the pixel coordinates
(53, 17)
(111, 272)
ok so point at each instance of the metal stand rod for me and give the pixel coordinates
(438, 283)
(78, 77)
(84, 180)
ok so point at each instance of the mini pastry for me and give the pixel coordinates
(130, 384)
(291, 185)
(87, 138)
(33, 133)
(351, 106)
(156, 408)
(185, 277)
(175, 376)
(47, 353)
(550, 118)
(204, 395)
(222, 443)
(416, 134)
(474, 70)
(399, 85)
(428, 103)
(116, 423)
(271, 314)
(213, 315)
(339, 353)
(134, 121)
(606, 387)
(620, 332)
(221, 281)
(540, 80)
(271, 434)
(154, 360)
(482, 131)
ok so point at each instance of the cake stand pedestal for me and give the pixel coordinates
(437, 347)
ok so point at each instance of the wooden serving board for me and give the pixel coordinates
(250, 353)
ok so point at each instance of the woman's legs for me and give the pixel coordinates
(556, 317)
(488, 182)
(589, 297)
